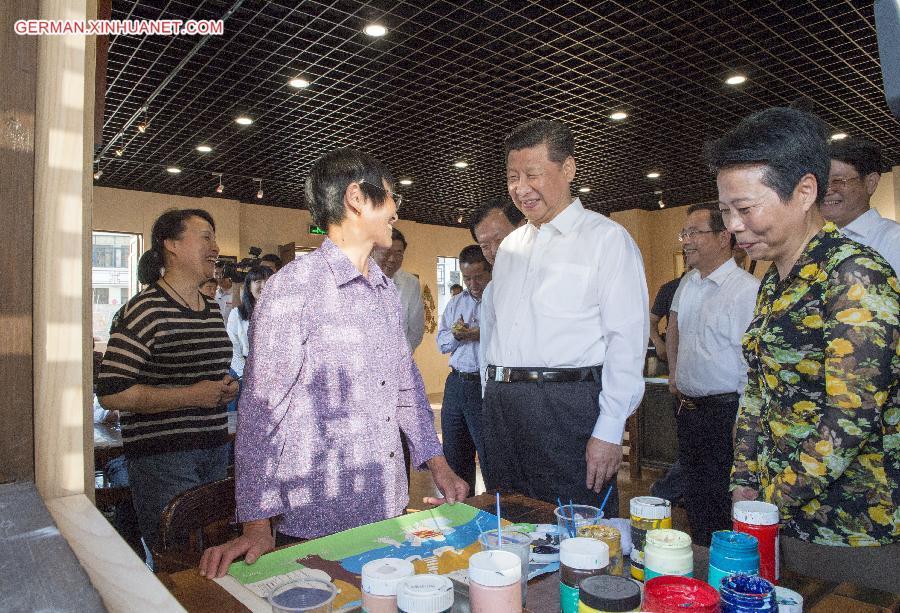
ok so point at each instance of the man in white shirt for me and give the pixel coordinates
(458, 335)
(710, 312)
(855, 171)
(411, 304)
(565, 361)
(224, 295)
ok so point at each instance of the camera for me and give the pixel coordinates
(237, 271)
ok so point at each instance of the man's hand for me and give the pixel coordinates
(448, 483)
(603, 461)
(256, 540)
(744, 493)
(673, 385)
(232, 387)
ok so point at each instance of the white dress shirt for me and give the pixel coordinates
(237, 332)
(713, 314)
(464, 353)
(224, 298)
(412, 309)
(487, 328)
(569, 294)
(882, 235)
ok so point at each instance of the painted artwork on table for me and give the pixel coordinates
(438, 541)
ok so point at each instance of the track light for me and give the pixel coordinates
(119, 152)
(98, 174)
(220, 188)
(259, 193)
(144, 123)
(460, 218)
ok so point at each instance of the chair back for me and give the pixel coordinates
(194, 520)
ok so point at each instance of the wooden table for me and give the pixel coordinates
(196, 593)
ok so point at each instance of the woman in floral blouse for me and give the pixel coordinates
(817, 431)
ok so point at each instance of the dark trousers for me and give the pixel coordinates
(461, 426)
(534, 438)
(706, 453)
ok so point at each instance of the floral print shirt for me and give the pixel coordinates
(817, 430)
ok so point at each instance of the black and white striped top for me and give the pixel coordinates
(156, 341)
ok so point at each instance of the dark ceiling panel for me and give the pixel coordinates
(451, 79)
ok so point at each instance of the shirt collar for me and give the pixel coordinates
(721, 273)
(567, 219)
(343, 269)
(864, 224)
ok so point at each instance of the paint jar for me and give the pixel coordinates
(608, 593)
(747, 594)
(494, 578)
(732, 553)
(306, 595)
(379, 584)
(613, 539)
(647, 513)
(668, 552)
(571, 517)
(670, 594)
(760, 519)
(425, 594)
(579, 558)
(515, 541)
(788, 601)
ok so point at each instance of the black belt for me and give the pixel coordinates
(691, 403)
(466, 376)
(503, 374)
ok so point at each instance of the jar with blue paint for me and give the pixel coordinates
(747, 594)
(732, 553)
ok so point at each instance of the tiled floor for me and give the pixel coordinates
(421, 484)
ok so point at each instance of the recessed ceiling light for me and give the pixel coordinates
(584, 190)
(299, 83)
(244, 121)
(653, 175)
(618, 116)
(735, 79)
(839, 136)
(461, 164)
(375, 29)
(405, 181)
(173, 169)
(204, 148)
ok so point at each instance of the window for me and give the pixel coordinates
(114, 257)
(447, 274)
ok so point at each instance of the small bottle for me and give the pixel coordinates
(613, 539)
(668, 552)
(731, 553)
(647, 513)
(760, 519)
(746, 594)
(494, 578)
(379, 584)
(579, 558)
(425, 594)
(608, 594)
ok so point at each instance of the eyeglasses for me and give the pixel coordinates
(690, 234)
(841, 182)
(398, 199)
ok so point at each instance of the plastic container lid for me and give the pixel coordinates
(666, 538)
(425, 594)
(755, 512)
(650, 507)
(380, 577)
(495, 568)
(788, 601)
(729, 541)
(584, 553)
(610, 593)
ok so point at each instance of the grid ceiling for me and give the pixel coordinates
(451, 79)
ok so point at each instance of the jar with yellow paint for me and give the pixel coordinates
(613, 539)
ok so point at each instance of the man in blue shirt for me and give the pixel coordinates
(459, 335)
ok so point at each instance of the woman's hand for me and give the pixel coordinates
(448, 483)
(256, 540)
(212, 394)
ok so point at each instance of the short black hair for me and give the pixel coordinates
(789, 143)
(501, 203)
(332, 174)
(456, 286)
(555, 134)
(168, 226)
(397, 235)
(472, 254)
(862, 154)
(271, 257)
(716, 223)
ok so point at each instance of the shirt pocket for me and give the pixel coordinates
(717, 331)
(563, 290)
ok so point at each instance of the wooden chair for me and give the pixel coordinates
(196, 519)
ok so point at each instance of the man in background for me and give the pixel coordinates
(411, 305)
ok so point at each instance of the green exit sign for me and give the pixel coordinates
(316, 230)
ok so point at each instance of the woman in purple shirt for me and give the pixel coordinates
(330, 382)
